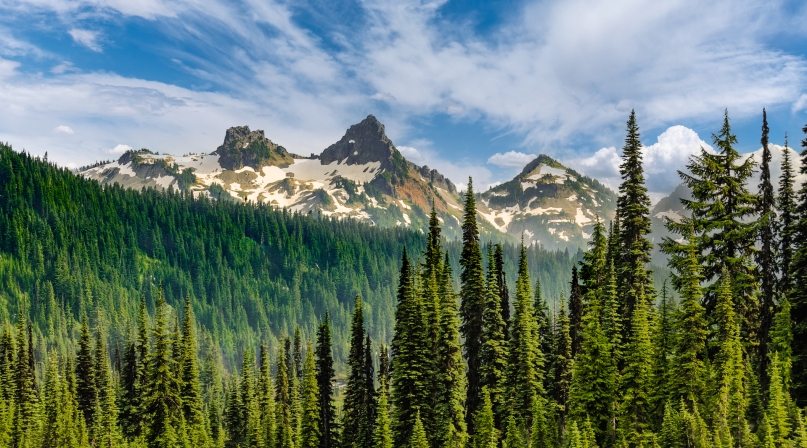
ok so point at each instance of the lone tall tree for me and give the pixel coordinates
(325, 374)
(472, 307)
(766, 255)
(798, 310)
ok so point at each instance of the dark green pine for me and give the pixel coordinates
(542, 323)
(501, 283)
(798, 273)
(575, 312)
(190, 387)
(634, 214)
(369, 408)
(85, 375)
(472, 305)
(561, 366)
(325, 377)
(130, 397)
(493, 353)
(284, 437)
(787, 219)
(353, 408)
(594, 267)
(766, 255)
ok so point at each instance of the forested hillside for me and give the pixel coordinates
(73, 248)
(479, 356)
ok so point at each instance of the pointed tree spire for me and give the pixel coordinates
(493, 352)
(325, 377)
(787, 218)
(798, 299)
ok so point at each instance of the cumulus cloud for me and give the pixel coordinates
(87, 38)
(383, 96)
(662, 160)
(62, 129)
(511, 159)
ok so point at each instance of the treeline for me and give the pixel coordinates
(70, 247)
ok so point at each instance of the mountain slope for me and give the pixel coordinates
(549, 204)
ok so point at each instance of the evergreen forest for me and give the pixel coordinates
(156, 319)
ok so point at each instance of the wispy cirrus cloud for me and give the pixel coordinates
(88, 38)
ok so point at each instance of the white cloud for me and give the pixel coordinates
(511, 159)
(603, 165)
(383, 96)
(62, 129)
(87, 38)
(411, 154)
(7, 68)
(800, 104)
(458, 171)
(119, 149)
(63, 67)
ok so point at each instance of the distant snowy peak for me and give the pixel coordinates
(548, 204)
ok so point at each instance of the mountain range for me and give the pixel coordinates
(364, 177)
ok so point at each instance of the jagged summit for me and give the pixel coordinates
(244, 148)
(363, 143)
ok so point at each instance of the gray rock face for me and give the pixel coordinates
(244, 148)
(366, 142)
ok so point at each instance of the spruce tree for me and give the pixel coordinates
(162, 403)
(418, 439)
(787, 219)
(634, 214)
(514, 437)
(501, 284)
(798, 299)
(663, 346)
(250, 402)
(766, 255)
(575, 312)
(777, 409)
(493, 352)
(234, 415)
(524, 369)
(562, 364)
(543, 323)
(449, 400)
(369, 404)
(636, 378)
(382, 435)
(130, 393)
(284, 437)
(354, 406)
(411, 358)
(325, 377)
(721, 212)
(266, 397)
(782, 342)
(105, 430)
(610, 315)
(486, 435)
(594, 267)
(311, 432)
(190, 387)
(689, 374)
(473, 300)
(85, 375)
(729, 394)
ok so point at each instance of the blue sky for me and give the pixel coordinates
(467, 87)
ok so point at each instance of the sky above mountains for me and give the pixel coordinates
(467, 87)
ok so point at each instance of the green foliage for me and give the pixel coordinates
(311, 424)
(485, 433)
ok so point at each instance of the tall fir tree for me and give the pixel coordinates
(370, 404)
(190, 386)
(594, 267)
(663, 338)
(767, 267)
(575, 312)
(524, 367)
(250, 402)
(561, 367)
(325, 377)
(162, 403)
(634, 214)
(130, 393)
(354, 406)
(493, 352)
(782, 343)
(411, 357)
(501, 284)
(798, 300)
(636, 378)
(721, 210)
(105, 431)
(689, 369)
(449, 401)
(787, 220)
(418, 438)
(311, 424)
(266, 397)
(486, 435)
(382, 435)
(473, 299)
(85, 375)
(284, 437)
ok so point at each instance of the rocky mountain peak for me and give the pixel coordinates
(363, 143)
(243, 147)
(541, 160)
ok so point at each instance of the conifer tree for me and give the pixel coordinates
(782, 341)
(787, 219)
(562, 364)
(593, 387)
(766, 255)
(798, 299)
(295, 402)
(524, 369)
(721, 209)
(325, 377)
(493, 352)
(634, 214)
(311, 432)
(162, 403)
(284, 437)
(514, 437)
(501, 284)
(777, 409)
(486, 435)
(235, 415)
(575, 312)
(449, 400)
(298, 354)
(354, 408)
(594, 267)
(190, 387)
(432, 268)
(690, 346)
(610, 315)
(85, 375)
(369, 406)
(663, 347)
(418, 439)
(266, 397)
(411, 358)
(636, 378)
(672, 433)
(473, 300)
(729, 395)
(542, 322)
(130, 394)
(62, 420)
(382, 435)
(250, 402)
